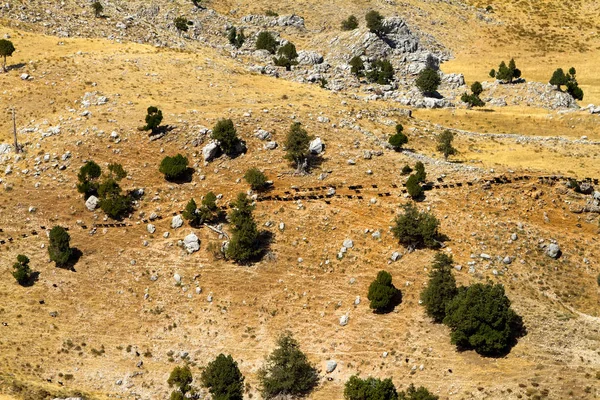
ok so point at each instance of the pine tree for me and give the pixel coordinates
(22, 272)
(444, 146)
(297, 143)
(441, 288)
(223, 379)
(224, 131)
(191, 213)
(382, 292)
(59, 248)
(244, 244)
(416, 229)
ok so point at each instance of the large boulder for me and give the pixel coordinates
(176, 222)
(210, 151)
(553, 250)
(309, 57)
(331, 366)
(92, 203)
(316, 146)
(191, 243)
(290, 20)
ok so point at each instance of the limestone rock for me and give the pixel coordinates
(191, 243)
(176, 222)
(92, 203)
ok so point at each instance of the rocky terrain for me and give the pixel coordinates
(148, 293)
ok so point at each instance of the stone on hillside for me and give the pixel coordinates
(331, 365)
(24, 76)
(395, 256)
(177, 278)
(176, 222)
(514, 237)
(191, 243)
(92, 203)
(290, 20)
(357, 300)
(309, 57)
(210, 151)
(272, 145)
(316, 146)
(4, 148)
(507, 260)
(553, 250)
(586, 188)
(261, 134)
(151, 228)
(344, 320)
(348, 243)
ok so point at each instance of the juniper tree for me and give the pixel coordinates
(382, 292)
(420, 171)
(440, 289)
(6, 50)
(174, 167)
(416, 229)
(381, 72)
(256, 179)
(59, 247)
(153, 119)
(181, 23)
(287, 56)
(266, 41)
(224, 131)
(357, 66)
(428, 81)
(399, 138)
(297, 143)
(22, 272)
(191, 214)
(98, 8)
(350, 23)
(244, 244)
(181, 378)
(369, 389)
(88, 179)
(375, 22)
(444, 145)
(223, 379)
(413, 187)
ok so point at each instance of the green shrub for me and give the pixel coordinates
(382, 292)
(420, 171)
(116, 206)
(174, 167)
(472, 100)
(428, 81)
(357, 66)
(416, 229)
(266, 41)
(256, 179)
(88, 179)
(444, 145)
(416, 394)
(399, 139)
(375, 22)
(350, 23)
(507, 74)
(287, 371)
(297, 143)
(287, 56)
(209, 212)
(223, 379)
(98, 8)
(381, 72)
(271, 13)
(492, 73)
(191, 214)
(59, 248)
(481, 319)
(476, 88)
(181, 378)
(22, 272)
(559, 78)
(116, 171)
(369, 389)
(413, 187)
(441, 288)
(236, 38)
(406, 170)
(181, 23)
(153, 119)
(6, 50)
(244, 245)
(226, 134)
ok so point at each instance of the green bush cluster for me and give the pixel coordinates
(236, 38)
(377, 389)
(22, 271)
(381, 72)
(174, 167)
(59, 248)
(244, 245)
(428, 81)
(559, 78)
(382, 292)
(350, 23)
(399, 138)
(417, 229)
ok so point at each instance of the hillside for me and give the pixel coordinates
(118, 324)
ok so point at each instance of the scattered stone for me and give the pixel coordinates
(151, 228)
(395, 256)
(344, 320)
(191, 243)
(553, 250)
(92, 203)
(331, 365)
(348, 243)
(176, 222)
(316, 146)
(507, 260)
(177, 278)
(210, 151)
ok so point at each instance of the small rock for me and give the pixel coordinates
(330, 367)
(92, 203)
(151, 228)
(344, 320)
(348, 243)
(176, 222)
(553, 250)
(177, 278)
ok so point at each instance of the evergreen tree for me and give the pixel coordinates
(256, 179)
(445, 144)
(350, 23)
(296, 144)
(59, 248)
(357, 66)
(236, 38)
(381, 72)
(98, 8)
(382, 292)
(266, 41)
(414, 188)
(420, 171)
(153, 119)
(406, 170)
(116, 171)
(6, 50)
(476, 88)
(399, 138)
(287, 371)
(181, 378)
(22, 272)
(508, 73)
(480, 318)
(181, 23)
(209, 212)
(244, 244)
(88, 179)
(223, 379)
(441, 288)
(492, 73)
(428, 81)
(191, 213)
(174, 167)
(287, 56)
(375, 23)
(224, 131)
(369, 389)
(416, 394)
(416, 229)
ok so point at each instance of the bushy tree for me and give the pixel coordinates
(112, 201)
(382, 292)
(181, 23)
(174, 167)
(406, 170)
(414, 188)
(59, 247)
(559, 78)
(191, 214)
(441, 288)
(6, 50)
(413, 393)
(256, 179)
(244, 244)
(399, 138)
(420, 171)
(223, 379)
(350, 23)
(98, 8)
(209, 211)
(444, 144)
(476, 88)
(369, 389)
(296, 145)
(480, 318)
(266, 41)
(508, 73)
(88, 179)
(381, 72)
(375, 22)
(236, 38)
(22, 272)
(492, 73)
(287, 56)
(428, 81)
(224, 131)
(357, 66)
(287, 371)
(416, 229)
(153, 119)
(181, 378)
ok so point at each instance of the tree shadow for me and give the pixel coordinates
(185, 177)
(75, 256)
(198, 5)
(15, 66)
(434, 95)
(394, 302)
(160, 131)
(33, 278)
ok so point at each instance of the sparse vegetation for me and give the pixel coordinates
(244, 244)
(153, 119)
(98, 9)
(444, 144)
(266, 41)
(369, 389)
(406, 170)
(174, 167)
(236, 38)
(381, 72)
(382, 292)
(181, 23)
(181, 378)
(88, 179)
(287, 371)
(399, 138)
(350, 23)
(287, 56)
(223, 379)
(59, 247)
(441, 288)
(416, 229)
(22, 272)
(428, 81)
(296, 143)
(256, 179)
(375, 22)
(507, 74)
